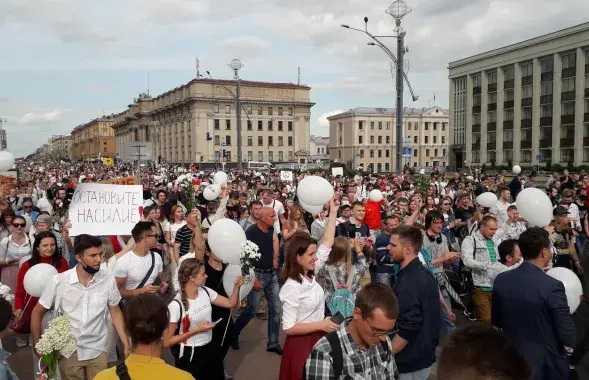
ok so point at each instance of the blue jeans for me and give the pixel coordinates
(269, 282)
(446, 321)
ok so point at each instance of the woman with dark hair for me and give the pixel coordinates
(303, 299)
(5, 317)
(44, 251)
(12, 249)
(6, 223)
(146, 320)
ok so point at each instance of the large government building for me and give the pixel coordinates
(93, 139)
(526, 103)
(366, 137)
(197, 121)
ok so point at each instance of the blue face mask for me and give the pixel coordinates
(90, 270)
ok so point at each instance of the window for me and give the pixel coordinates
(379, 153)
(415, 139)
(280, 126)
(477, 81)
(435, 153)
(387, 166)
(290, 111)
(546, 110)
(270, 125)
(270, 156)
(361, 125)
(280, 156)
(492, 117)
(526, 113)
(444, 126)
(217, 140)
(389, 124)
(250, 155)
(260, 110)
(360, 139)
(508, 115)
(508, 73)
(567, 108)
(105, 150)
(217, 124)
(508, 155)
(408, 126)
(547, 65)
(290, 126)
(476, 137)
(476, 156)
(380, 125)
(228, 124)
(526, 92)
(426, 140)
(546, 88)
(435, 126)
(260, 125)
(372, 153)
(372, 125)
(260, 156)
(415, 126)
(585, 154)
(443, 139)
(249, 125)
(270, 112)
(566, 155)
(476, 118)
(289, 140)
(260, 140)
(414, 152)
(426, 126)
(508, 95)
(380, 139)
(435, 139)
(361, 153)
(568, 84)
(279, 111)
(250, 141)
(427, 152)
(526, 134)
(340, 141)
(444, 153)
(291, 155)
(215, 108)
(281, 141)
(569, 60)
(387, 153)
(476, 100)
(388, 139)
(492, 77)
(228, 140)
(270, 141)
(493, 97)
(227, 108)
(527, 69)
(507, 135)
(587, 105)
(249, 110)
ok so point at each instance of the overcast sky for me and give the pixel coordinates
(64, 62)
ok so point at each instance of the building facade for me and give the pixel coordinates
(366, 137)
(525, 104)
(60, 147)
(93, 139)
(319, 149)
(197, 122)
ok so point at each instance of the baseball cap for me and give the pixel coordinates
(560, 211)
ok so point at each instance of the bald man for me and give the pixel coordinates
(262, 233)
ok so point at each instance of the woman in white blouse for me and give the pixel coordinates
(303, 300)
(190, 325)
(12, 249)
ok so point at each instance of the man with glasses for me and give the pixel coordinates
(140, 270)
(27, 210)
(419, 319)
(361, 347)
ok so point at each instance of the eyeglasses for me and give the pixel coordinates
(445, 204)
(157, 236)
(21, 225)
(379, 333)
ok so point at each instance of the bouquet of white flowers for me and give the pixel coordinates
(56, 341)
(5, 293)
(250, 253)
(185, 184)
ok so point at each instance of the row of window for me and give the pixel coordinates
(388, 139)
(249, 126)
(566, 155)
(410, 125)
(249, 110)
(250, 140)
(388, 153)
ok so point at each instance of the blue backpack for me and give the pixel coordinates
(342, 300)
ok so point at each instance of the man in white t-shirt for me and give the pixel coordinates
(268, 201)
(132, 269)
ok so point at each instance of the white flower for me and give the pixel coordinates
(5, 293)
(422, 171)
(58, 337)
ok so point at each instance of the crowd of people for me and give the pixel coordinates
(362, 289)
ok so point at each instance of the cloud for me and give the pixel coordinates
(40, 117)
(244, 47)
(322, 120)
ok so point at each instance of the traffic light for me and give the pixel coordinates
(209, 136)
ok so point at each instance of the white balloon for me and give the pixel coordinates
(6, 160)
(315, 191)
(572, 286)
(220, 178)
(225, 238)
(211, 192)
(517, 169)
(310, 208)
(37, 277)
(230, 275)
(534, 206)
(487, 199)
(375, 195)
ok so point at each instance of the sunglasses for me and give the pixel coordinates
(445, 204)
(22, 225)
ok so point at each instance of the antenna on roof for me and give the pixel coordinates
(148, 83)
(299, 76)
(197, 68)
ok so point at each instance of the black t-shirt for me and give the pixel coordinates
(265, 241)
(183, 237)
(345, 229)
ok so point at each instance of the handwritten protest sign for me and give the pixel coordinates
(121, 181)
(105, 209)
(285, 176)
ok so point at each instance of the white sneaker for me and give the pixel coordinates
(21, 342)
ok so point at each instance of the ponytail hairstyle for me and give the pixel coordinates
(188, 268)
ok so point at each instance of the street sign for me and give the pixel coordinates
(138, 150)
(539, 157)
(407, 152)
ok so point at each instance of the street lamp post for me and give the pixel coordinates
(235, 65)
(397, 10)
(3, 144)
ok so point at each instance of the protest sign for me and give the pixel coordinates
(105, 209)
(337, 171)
(121, 181)
(285, 176)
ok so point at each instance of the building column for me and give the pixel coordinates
(468, 134)
(484, 101)
(517, 113)
(579, 105)
(187, 152)
(557, 88)
(537, 72)
(499, 122)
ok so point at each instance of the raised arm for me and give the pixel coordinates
(329, 234)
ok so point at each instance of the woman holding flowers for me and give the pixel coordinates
(303, 299)
(191, 322)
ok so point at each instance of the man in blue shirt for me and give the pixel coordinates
(384, 267)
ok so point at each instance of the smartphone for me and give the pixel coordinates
(352, 232)
(157, 281)
(217, 321)
(337, 318)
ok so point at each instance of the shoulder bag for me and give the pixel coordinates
(123, 302)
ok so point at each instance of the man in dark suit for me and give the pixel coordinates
(532, 309)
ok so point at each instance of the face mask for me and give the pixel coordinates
(90, 270)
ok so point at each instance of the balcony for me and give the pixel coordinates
(527, 80)
(476, 128)
(567, 142)
(508, 104)
(491, 127)
(492, 87)
(566, 96)
(476, 90)
(476, 145)
(526, 123)
(567, 119)
(507, 144)
(568, 73)
(546, 77)
(526, 102)
(508, 84)
(526, 144)
(476, 109)
(546, 143)
(508, 124)
(546, 99)
(546, 121)
(492, 107)
(491, 145)
(585, 141)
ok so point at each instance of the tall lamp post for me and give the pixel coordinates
(235, 65)
(397, 10)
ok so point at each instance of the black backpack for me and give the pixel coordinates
(337, 355)
(175, 349)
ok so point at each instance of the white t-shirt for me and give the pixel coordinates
(199, 310)
(174, 227)
(134, 268)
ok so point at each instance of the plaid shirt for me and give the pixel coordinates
(371, 364)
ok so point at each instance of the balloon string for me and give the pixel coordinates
(226, 327)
